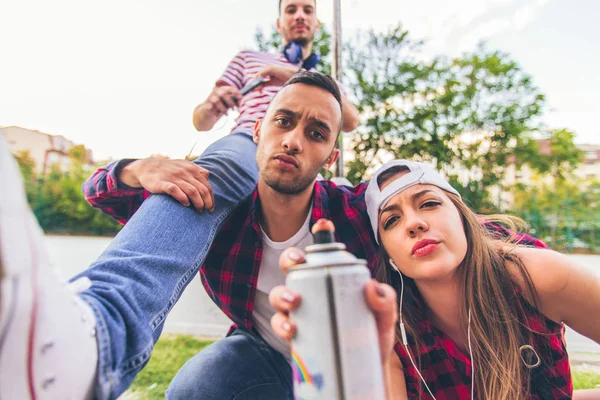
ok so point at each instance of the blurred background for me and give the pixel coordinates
(501, 95)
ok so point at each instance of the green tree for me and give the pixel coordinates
(564, 213)
(30, 177)
(474, 117)
(469, 116)
(60, 205)
(559, 155)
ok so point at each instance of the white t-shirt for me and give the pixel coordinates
(269, 276)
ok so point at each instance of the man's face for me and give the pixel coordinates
(297, 137)
(298, 21)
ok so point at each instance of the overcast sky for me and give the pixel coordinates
(123, 76)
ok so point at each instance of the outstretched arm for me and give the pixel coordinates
(567, 292)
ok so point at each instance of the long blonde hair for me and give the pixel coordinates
(497, 312)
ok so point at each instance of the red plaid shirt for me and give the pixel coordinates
(447, 369)
(230, 273)
(104, 191)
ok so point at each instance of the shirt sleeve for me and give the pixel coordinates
(234, 73)
(102, 190)
(500, 232)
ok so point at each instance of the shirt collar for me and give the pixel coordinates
(320, 206)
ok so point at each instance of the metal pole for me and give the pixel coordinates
(335, 70)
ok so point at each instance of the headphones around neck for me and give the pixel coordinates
(293, 53)
(405, 339)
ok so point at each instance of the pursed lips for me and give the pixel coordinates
(287, 159)
(423, 243)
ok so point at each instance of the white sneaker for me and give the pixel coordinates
(48, 347)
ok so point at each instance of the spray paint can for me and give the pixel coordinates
(335, 352)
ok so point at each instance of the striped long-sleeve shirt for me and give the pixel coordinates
(241, 70)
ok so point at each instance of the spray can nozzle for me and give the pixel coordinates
(323, 232)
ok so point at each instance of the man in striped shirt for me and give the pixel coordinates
(297, 24)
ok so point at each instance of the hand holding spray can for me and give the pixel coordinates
(335, 352)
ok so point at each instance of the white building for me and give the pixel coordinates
(44, 149)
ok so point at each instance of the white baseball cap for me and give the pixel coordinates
(418, 173)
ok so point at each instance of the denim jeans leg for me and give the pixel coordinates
(241, 367)
(144, 270)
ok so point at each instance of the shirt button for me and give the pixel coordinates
(249, 285)
(257, 244)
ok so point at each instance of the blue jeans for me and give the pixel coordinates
(146, 267)
(241, 366)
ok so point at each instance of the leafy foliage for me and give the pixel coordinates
(565, 213)
(57, 200)
(474, 117)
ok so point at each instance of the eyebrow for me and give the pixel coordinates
(415, 196)
(320, 123)
(314, 120)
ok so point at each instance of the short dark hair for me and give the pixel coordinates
(317, 79)
(388, 173)
(313, 78)
(279, 8)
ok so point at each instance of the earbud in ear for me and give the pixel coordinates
(394, 265)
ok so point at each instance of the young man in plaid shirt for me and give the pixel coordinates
(133, 285)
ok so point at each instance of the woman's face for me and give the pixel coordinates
(422, 231)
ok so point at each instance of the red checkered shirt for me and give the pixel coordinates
(230, 273)
(447, 369)
(104, 191)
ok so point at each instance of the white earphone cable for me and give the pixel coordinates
(405, 340)
(472, 358)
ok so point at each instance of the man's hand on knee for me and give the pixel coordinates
(183, 180)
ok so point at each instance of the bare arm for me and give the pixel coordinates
(395, 384)
(567, 292)
(220, 100)
(350, 114)
(589, 394)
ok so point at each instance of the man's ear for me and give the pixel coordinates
(332, 158)
(256, 134)
(278, 25)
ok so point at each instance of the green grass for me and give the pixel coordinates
(586, 380)
(172, 351)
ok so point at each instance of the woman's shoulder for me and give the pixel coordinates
(554, 278)
(549, 270)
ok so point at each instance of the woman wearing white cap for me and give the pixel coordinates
(477, 317)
